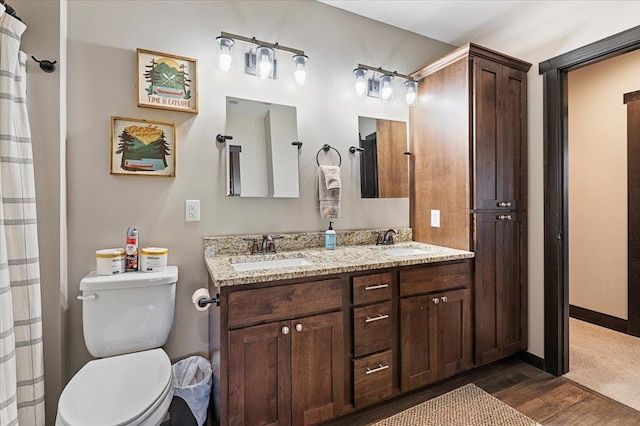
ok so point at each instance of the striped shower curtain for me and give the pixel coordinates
(21, 361)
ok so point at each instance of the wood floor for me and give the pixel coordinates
(547, 399)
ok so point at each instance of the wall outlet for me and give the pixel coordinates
(192, 210)
(435, 218)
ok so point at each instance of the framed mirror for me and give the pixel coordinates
(262, 156)
(384, 168)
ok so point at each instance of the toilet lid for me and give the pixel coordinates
(115, 390)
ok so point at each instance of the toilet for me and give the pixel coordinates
(126, 318)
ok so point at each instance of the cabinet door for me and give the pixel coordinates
(455, 350)
(418, 341)
(317, 353)
(499, 148)
(259, 375)
(500, 285)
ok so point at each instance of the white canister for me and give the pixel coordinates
(110, 261)
(153, 259)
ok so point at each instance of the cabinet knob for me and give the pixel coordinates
(436, 300)
(504, 204)
(285, 330)
(443, 298)
(298, 327)
(504, 217)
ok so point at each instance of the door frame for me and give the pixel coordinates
(556, 227)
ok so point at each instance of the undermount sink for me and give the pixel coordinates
(270, 264)
(404, 251)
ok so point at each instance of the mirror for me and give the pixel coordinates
(262, 157)
(384, 168)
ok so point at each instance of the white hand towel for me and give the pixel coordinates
(329, 191)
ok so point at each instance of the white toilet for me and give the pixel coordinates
(126, 319)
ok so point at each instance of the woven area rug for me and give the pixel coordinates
(465, 406)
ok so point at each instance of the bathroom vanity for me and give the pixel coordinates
(343, 330)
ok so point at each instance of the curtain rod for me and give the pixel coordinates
(11, 11)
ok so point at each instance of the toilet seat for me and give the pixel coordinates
(132, 389)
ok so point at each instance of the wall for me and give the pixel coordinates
(102, 41)
(45, 38)
(534, 44)
(598, 183)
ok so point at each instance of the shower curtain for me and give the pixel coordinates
(21, 361)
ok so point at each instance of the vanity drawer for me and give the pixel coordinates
(372, 328)
(436, 277)
(371, 288)
(373, 379)
(267, 304)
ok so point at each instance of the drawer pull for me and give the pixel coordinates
(444, 299)
(378, 318)
(504, 204)
(380, 367)
(376, 287)
(504, 217)
(436, 300)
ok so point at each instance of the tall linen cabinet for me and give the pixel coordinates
(468, 137)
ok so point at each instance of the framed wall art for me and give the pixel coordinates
(167, 81)
(143, 147)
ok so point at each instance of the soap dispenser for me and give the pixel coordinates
(330, 238)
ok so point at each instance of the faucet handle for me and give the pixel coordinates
(379, 238)
(271, 246)
(254, 246)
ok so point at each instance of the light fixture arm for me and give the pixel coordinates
(383, 71)
(255, 41)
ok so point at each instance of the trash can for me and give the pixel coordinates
(192, 379)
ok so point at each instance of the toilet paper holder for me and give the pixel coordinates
(204, 302)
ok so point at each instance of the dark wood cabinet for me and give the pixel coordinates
(374, 338)
(500, 284)
(470, 163)
(499, 151)
(291, 370)
(435, 328)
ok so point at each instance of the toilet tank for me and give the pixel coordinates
(127, 312)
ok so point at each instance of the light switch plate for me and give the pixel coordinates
(435, 218)
(192, 210)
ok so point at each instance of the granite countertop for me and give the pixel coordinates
(325, 262)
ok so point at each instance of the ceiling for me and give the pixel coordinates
(453, 22)
(460, 21)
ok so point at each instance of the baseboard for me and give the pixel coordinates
(598, 318)
(531, 359)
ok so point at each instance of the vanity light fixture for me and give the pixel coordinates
(361, 81)
(411, 94)
(386, 91)
(265, 61)
(262, 62)
(300, 74)
(224, 53)
(382, 87)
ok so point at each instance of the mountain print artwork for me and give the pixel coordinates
(166, 81)
(142, 147)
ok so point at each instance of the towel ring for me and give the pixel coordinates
(326, 148)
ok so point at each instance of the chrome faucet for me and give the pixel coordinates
(387, 239)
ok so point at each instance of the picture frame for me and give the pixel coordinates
(167, 81)
(142, 147)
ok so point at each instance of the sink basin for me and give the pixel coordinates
(270, 264)
(404, 251)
